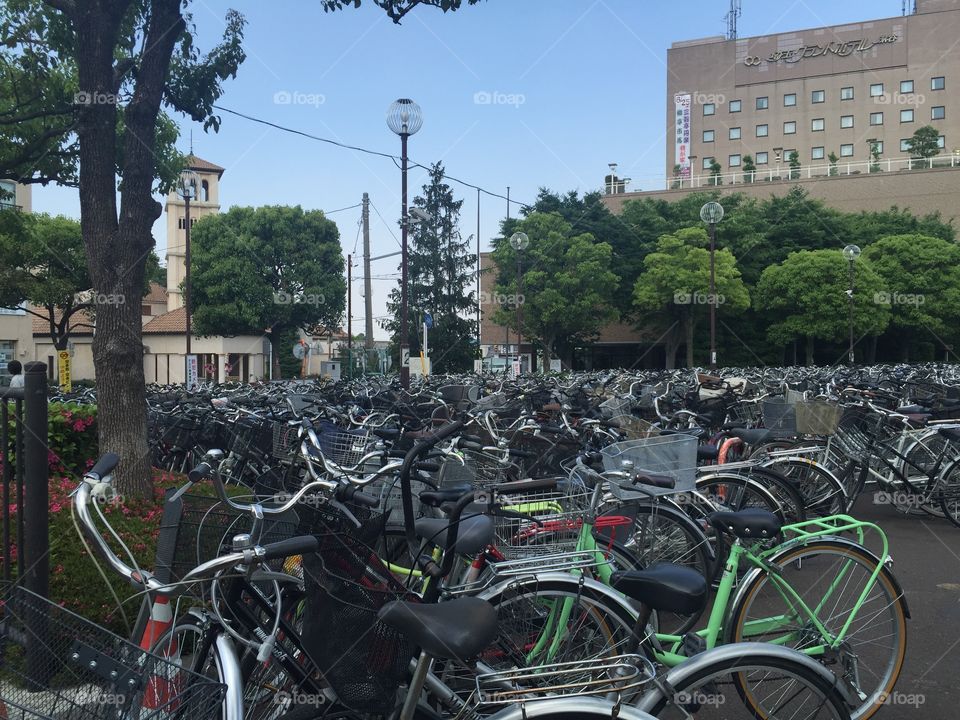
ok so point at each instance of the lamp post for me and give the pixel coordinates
(187, 189)
(851, 253)
(519, 242)
(405, 119)
(712, 213)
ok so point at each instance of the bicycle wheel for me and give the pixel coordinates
(829, 577)
(822, 494)
(747, 684)
(189, 644)
(948, 490)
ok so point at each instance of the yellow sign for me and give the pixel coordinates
(64, 362)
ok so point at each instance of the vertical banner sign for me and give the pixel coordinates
(681, 124)
(191, 372)
(63, 362)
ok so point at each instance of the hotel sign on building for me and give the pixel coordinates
(682, 131)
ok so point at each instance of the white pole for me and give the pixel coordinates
(426, 354)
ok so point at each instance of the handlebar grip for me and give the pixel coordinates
(292, 546)
(660, 481)
(472, 438)
(470, 446)
(200, 472)
(521, 453)
(349, 493)
(556, 429)
(428, 466)
(105, 465)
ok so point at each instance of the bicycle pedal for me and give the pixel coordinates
(693, 644)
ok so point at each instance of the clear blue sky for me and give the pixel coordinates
(587, 79)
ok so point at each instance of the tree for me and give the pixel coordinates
(674, 288)
(749, 169)
(833, 160)
(874, 156)
(794, 161)
(568, 282)
(807, 295)
(925, 142)
(81, 89)
(440, 269)
(921, 285)
(715, 169)
(272, 268)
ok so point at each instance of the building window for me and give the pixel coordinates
(708, 135)
(937, 83)
(878, 145)
(876, 90)
(906, 86)
(846, 121)
(876, 118)
(762, 158)
(8, 193)
(817, 96)
(734, 133)
(709, 109)
(146, 310)
(733, 161)
(734, 106)
(846, 93)
(789, 127)
(937, 112)
(816, 125)
(790, 100)
(905, 145)
(941, 141)
(846, 151)
(205, 191)
(762, 103)
(707, 162)
(816, 153)
(906, 116)
(762, 130)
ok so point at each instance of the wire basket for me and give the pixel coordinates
(745, 411)
(478, 469)
(615, 407)
(362, 659)
(196, 528)
(672, 455)
(553, 523)
(343, 447)
(56, 664)
(817, 417)
(286, 438)
(779, 416)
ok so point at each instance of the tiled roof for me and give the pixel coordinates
(196, 163)
(79, 322)
(157, 294)
(174, 321)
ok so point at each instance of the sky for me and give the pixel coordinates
(514, 93)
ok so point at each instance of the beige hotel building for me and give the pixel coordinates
(824, 90)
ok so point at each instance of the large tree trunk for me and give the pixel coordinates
(117, 250)
(809, 350)
(688, 334)
(670, 346)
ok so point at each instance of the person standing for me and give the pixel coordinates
(16, 373)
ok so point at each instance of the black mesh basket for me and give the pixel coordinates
(362, 659)
(56, 664)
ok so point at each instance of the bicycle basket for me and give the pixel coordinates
(673, 455)
(818, 418)
(362, 659)
(780, 416)
(343, 447)
(56, 664)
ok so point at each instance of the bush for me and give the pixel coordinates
(71, 437)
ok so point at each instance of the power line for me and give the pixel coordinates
(394, 158)
(349, 207)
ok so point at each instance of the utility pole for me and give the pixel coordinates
(367, 291)
(349, 316)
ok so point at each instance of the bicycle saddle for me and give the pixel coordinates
(474, 533)
(747, 524)
(754, 436)
(951, 433)
(664, 586)
(455, 629)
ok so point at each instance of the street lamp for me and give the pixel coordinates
(851, 253)
(712, 213)
(519, 242)
(405, 119)
(187, 189)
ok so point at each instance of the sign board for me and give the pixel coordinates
(405, 357)
(428, 320)
(681, 118)
(191, 372)
(63, 363)
(555, 365)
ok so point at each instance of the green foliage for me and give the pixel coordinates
(71, 437)
(807, 295)
(794, 162)
(920, 278)
(924, 143)
(568, 282)
(273, 267)
(396, 9)
(715, 170)
(441, 272)
(749, 169)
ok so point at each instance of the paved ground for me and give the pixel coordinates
(926, 555)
